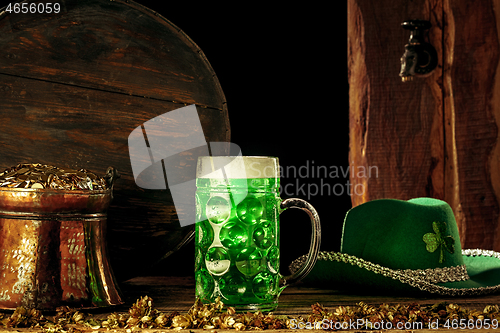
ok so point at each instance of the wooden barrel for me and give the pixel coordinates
(75, 83)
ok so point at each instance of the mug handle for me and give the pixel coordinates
(312, 256)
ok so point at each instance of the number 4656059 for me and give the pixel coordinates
(33, 8)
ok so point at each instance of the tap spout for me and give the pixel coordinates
(420, 58)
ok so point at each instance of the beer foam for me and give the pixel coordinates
(239, 167)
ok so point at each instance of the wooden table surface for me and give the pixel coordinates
(177, 294)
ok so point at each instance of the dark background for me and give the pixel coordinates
(283, 71)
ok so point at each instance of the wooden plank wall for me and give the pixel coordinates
(435, 136)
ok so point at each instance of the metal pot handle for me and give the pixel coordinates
(110, 177)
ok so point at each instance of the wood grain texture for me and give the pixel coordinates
(475, 61)
(74, 85)
(391, 122)
(359, 98)
(435, 136)
(177, 294)
(117, 46)
(451, 177)
(495, 154)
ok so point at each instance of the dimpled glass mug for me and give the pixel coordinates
(237, 252)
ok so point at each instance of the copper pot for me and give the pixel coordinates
(53, 249)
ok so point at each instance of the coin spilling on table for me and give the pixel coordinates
(41, 176)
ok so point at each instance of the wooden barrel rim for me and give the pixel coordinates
(46, 74)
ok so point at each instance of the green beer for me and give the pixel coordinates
(237, 254)
(238, 243)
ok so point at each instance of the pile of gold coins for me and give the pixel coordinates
(41, 176)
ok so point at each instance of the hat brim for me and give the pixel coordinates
(338, 271)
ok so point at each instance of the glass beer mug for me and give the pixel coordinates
(237, 245)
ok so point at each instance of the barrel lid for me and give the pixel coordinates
(74, 84)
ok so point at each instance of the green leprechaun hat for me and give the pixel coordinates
(405, 247)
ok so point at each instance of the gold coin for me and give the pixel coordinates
(36, 175)
(22, 171)
(10, 173)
